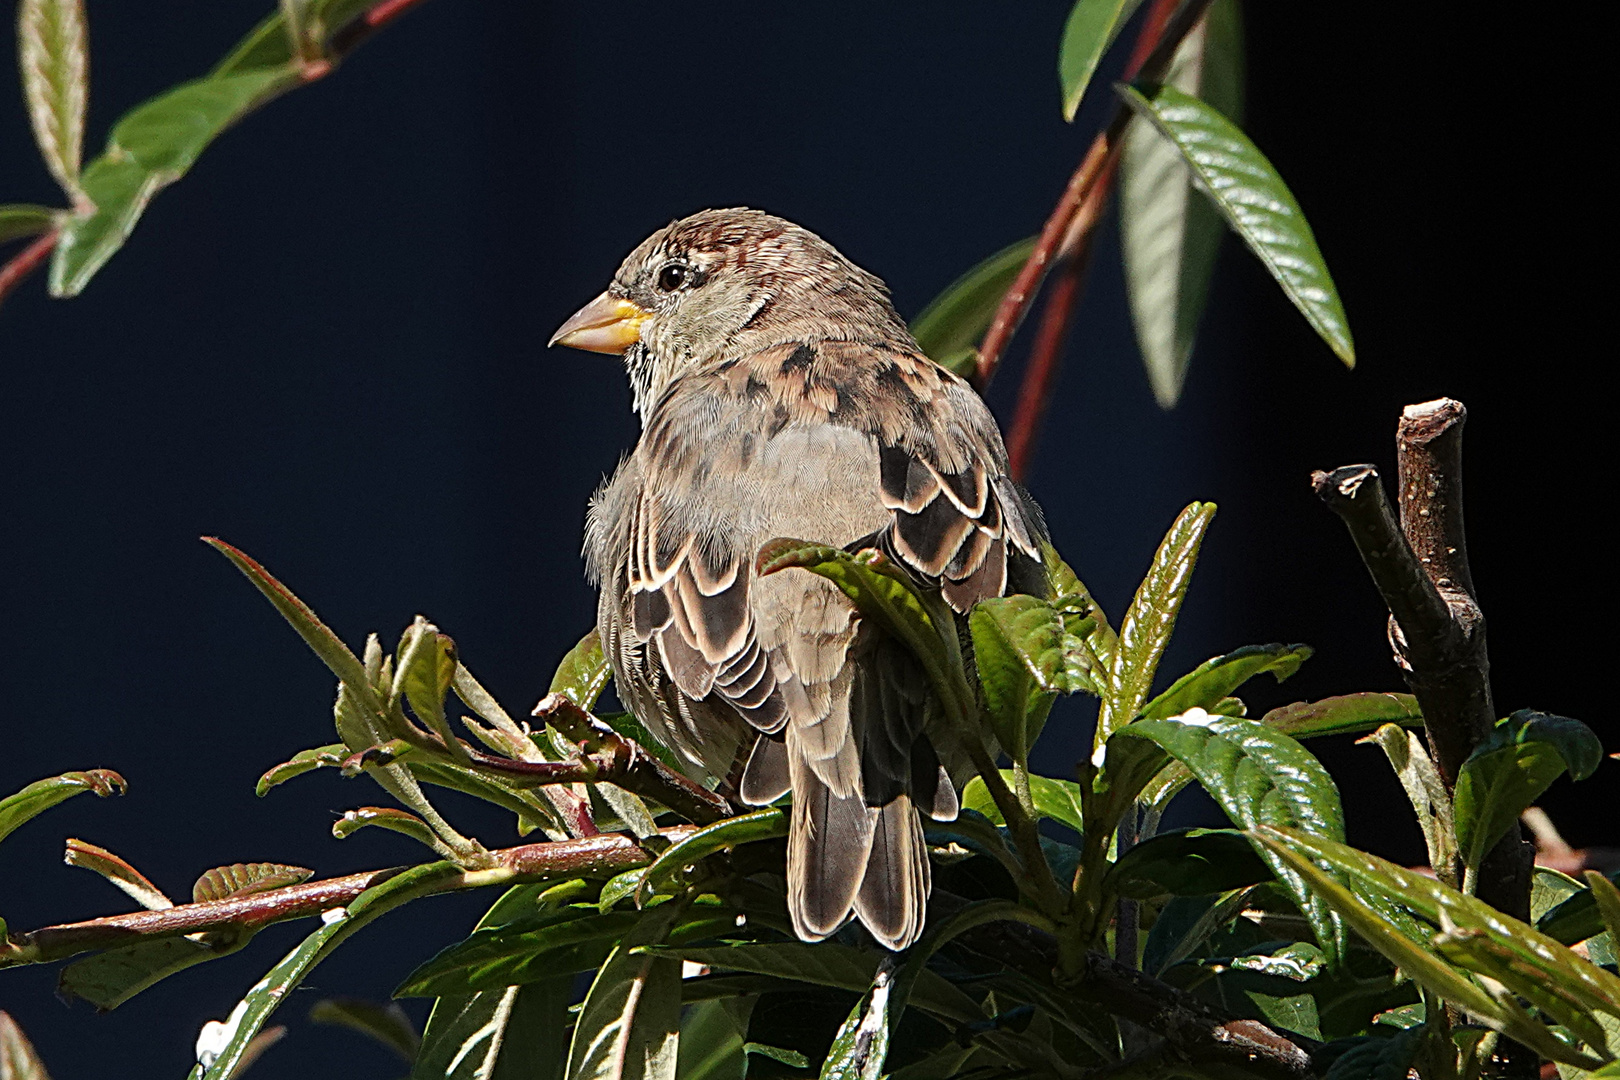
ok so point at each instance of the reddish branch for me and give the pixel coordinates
(25, 262)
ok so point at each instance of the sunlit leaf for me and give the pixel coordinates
(1187, 863)
(18, 1060)
(766, 824)
(1572, 920)
(629, 1025)
(243, 879)
(320, 757)
(18, 220)
(1169, 236)
(1347, 714)
(1082, 615)
(1025, 658)
(384, 817)
(54, 58)
(583, 673)
(950, 328)
(1210, 682)
(1510, 769)
(1055, 799)
(861, 1046)
(1092, 27)
(1608, 900)
(1431, 803)
(1247, 191)
(120, 873)
(424, 667)
(387, 1024)
(41, 795)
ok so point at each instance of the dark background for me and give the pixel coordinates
(326, 345)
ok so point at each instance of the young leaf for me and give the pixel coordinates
(18, 220)
(1507, 772)
(1018, 645)
(424, 668)
(1082, 615)
(244, 879)
(320, 757)
(387, 1024)
(1258, 776)
(18, 1060)
(1168, 235)
(1347, 714)
(41, 795)
(1092, 27)
(862, 1044)
(1427, 792)
(1055, 799)
(1189, 862)
(629, 1026)
(1210, 682)
(510, 1033)
(950, 328)
(130, 880)
(1151, 619)
(1247, 191)
(384, 817)
(54, 57)
(583, 673)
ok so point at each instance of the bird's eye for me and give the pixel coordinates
(672, 277)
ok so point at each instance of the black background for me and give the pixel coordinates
(326, 345)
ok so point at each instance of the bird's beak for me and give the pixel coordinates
(608, 324)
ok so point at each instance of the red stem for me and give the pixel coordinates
(27, 260)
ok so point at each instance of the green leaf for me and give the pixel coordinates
(18, 220)
(41, 795)
(1024, 662)
(385, 817)
(1206, 685)
(510, 1033)
(629, 1025)
(54, 57)
(1092, 27)
(1573, 920)
(1257, 776)
(18, 1060)
(1055, 799)
(1379, 1058)
(555, 943)
(862, 1044)
(1520, 960)
(221, 1045)
(244, 879)
(1347, 714)
(767, 824)
(950, 328)
(1151, 619)
(387, 1024)
(1608, 900)
(424, 668)
(1426, 791)
(320, 757)
(1189, 862)
(583, 673)
(120, 873)
(711, 1043)
(1247, 191)
(1169, 236)
(1082, 615)
(1510, 769)
(108, 979)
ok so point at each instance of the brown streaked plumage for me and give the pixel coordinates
(781, 395)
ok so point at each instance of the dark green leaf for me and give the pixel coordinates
(1187, 863)
(242, 879)
(949, 329)
(1247, 191)
(1055, 799)
(1151, 619)
(41, 795)
(530, 950)
(861, 1046)
(1379, 1058)
(53, 56)
(1573, 920)
(387, 1024)
(21, 219)
(18, 1060)
(1258, 776)
(510, 1033)
(1608, 900)
(583, 673)
(108, 979)
(711, 1043)
(766, 824)
(118, 188)
(1206, 685)
(1347, 714)
(1170, 236)
(629, 1025)
(1092, 27)
(120, 873)
(1510, 769)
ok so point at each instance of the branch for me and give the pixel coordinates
(1095, 171)
(25, 262)
(595, 857)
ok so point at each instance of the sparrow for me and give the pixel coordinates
(780, 395)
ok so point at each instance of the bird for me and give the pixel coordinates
(781, 395)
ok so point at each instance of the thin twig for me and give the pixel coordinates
(1044, 357)
(25, 262)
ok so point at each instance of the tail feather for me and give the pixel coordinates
(893, 897)
(829, 841)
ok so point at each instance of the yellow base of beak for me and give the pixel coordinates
(608, 324)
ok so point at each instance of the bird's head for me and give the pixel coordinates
(723, 284)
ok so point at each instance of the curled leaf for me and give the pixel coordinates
(117, 871)
(320, 757)
(41, 795)
(243, 879)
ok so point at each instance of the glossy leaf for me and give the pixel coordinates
(1055, 799)
(1170, 235)
(861, 1046)
(18, 220)
(1210, 682)
(1258, 777)
(54, 57)
(41, 795)
(1189, 862)
(120, 873)
(1092, 27)
(1520, 960)
(1510, 769)
(18, 1059)
(950, 328)
(629, 1025)
(583, 673)
(766, 824)
(1379, 1059)
(243, 879)
(1150, 620)
(387, 1024)
(1023, 663)
(1425, 790)
(1346, 714)
(1082, 615)
(222, 1043)
(108, 979)
(1255, 202)
(510, 1033)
